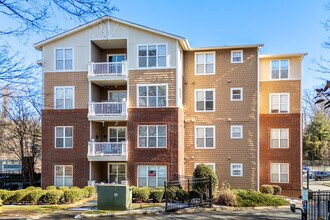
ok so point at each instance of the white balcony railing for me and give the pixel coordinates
(107, 109)
(108, 69)
(107, 148)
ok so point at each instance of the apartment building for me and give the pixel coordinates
(125, 103)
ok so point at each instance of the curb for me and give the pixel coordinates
(123, 213)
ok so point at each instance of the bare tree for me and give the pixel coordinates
(21, 134)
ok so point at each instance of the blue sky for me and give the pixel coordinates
(284, 26)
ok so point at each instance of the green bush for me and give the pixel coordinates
(84, 193)
(194, 194)
(30, 188)
(35, 196)
(75, 187)
(267, 189)
(226, 197)
(73, 195)
(19, 196)
(250, 198)
(277, 190)
(51, 188)
(53, 196)
(63, 188)
(171, 192)
(7, 197)
(182, 195)
(157, 195)
(144, 193)
(91, 190)
(0, 202)
(203, 171)
(135, 192)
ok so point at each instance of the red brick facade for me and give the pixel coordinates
(290, 155)
(152, 156)
(77, 156)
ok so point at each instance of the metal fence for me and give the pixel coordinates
(318, 205)
(190, 192)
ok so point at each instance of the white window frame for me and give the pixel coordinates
(63, 49)
(207, 164)
(270, 103)
(214, 62)
(157, 136)
(64, 137)
(232, 94)
(279, 168)
(232, 56)
(231, 169)
(214, 137)
(279, 138)
(232, 129)
(64, 176)
(204, 90)
(147, 85)
(118, 91)
(117, 171)
(73, 96)
(156, 67)
(271, 69)
(147, 166)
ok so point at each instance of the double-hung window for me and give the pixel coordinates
(64, 97)
(63, 175)
(236, 94)
(64, 59)
(279, 103)
(205, 63)
(152, 55)
(151, 176)
(204, 100)
(152, 95)
(237, 56)
(236, 169)
(152, 136)
(279, 172)
(63, 137)
(280, 69)
(205, 137)
(236, 131)
(279, 138)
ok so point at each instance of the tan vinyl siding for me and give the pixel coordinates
(244, 113)
(76, 79)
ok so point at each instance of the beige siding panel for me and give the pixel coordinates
(152, 77)
(295, 67)
(226, 113)
(280, 86)
(80, 42)
(76, 79)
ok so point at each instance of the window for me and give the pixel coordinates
(236, 94)
(64, 59)
(205, 63)
(151, 176)
(279, 138)
(211, 165)
(237, 56)
(63, 175)
(152, 55)
(279, 103)
(152, 136)
(152, 95)
(204, 137)
(204, 100)
(279, 172)
(236, 132)
(236, 169)
(280, 69)
(63, 137)
(117, 173)
(64, 97)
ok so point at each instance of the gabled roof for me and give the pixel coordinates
(183, 41)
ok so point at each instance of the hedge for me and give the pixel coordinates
(267, 189)
(53, 196)
(157, 195)
(250, 198)
(91, 190)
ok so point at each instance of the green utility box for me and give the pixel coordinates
(113, 197)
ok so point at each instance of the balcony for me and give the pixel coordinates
(107, 111)
(107, 151)
(108, 73)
